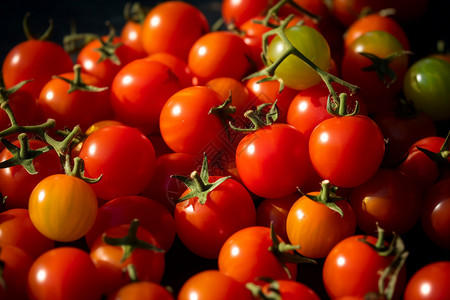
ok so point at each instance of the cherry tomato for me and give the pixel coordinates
(429, 282)
(425, 84)
(346, 150)
(213, 284)
(25, 109)
(142, 290)
(390, 198)
(17, 183)
(178, 66)
(294, 72)
(16, 264)
(123, 210)
(63, 207)
(219, 54)
(238, 12)
(123, 156)
(161, 30)
(130, 92)
(16, 229)
(245, 256)
(289, 290)
(64, 273)
(131, 35)
(348, 11)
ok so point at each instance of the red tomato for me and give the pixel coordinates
(390, 198)
(25, 109)
(317, 228)
(64, 273)
(289, 290)
(16, 229)
(123, 210)
(131, 35)
(203, 223)
(123, 156)
(110, 261)
(271, 161)
(353, 258)
(238, 12)
(178, 66)
(17, 184)
(34, 59)
(219, 54)
(348, 11)
(142, 290)
(435, 216)
(161, 30)
(14, 272)
(429, 282)
(78, 107)
(213, 284)
(246, 256)
(346, 150)
(130, 92)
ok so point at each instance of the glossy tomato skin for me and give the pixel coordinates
(69, 274)
(213, 284)
(123, 210)
(273, 161)
(142, 290)
(352, 258)
(149, 264)
(435, 218)
(348, 11)
(242, 253)
(203, 228)
(161, 30)
(131, 35)
(238, 12)
(429, 282)
(178, 66)
(293, 71)
(79, 107)
(16, 229)
(390, 198)
(219, 54)
(17, 184)
(426, 85)
(63, 207)
(131, 89)
(292, 290)
(123, 156)
(37, 60)
(340, 147)
(316, 227)
(17, 263)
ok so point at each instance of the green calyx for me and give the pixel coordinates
(224, 112)
(327, 196)
(381, 66)
(282, 252)
(130, 242)
(199, 184)
(108, 48)
(440, 158)
(258, 118)
(273, 290)
(77, 83)
(135, 12)
(339, 109)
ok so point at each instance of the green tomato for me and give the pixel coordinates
(293, 71)
(427, 85)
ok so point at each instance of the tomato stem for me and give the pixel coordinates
(27, 29)
(77, 83)
(327, 196)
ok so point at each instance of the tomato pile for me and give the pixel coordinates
(294, 149)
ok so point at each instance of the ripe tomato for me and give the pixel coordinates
(348, 11)
(219, 54)
(294, 72)
(161, 30)
(271, 161)
(131, 32)
(246, 256)
(213, 213)
(34, 59)
(14, 272)
(142, 290)
(124, 157)
(178, 66)
(288, 290)
(353, 258)
(130, 92)
(123, 210)
(78, 107)
(429, 282)
(25, 109)
(238, 12)
(435, 216)
(213, 284)
(426, 85)
(315, 226)
(17, 184)
(64, 273)
(16, 229)
(111, 259)
(63, 207)
(389, 198)
(346, 150)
